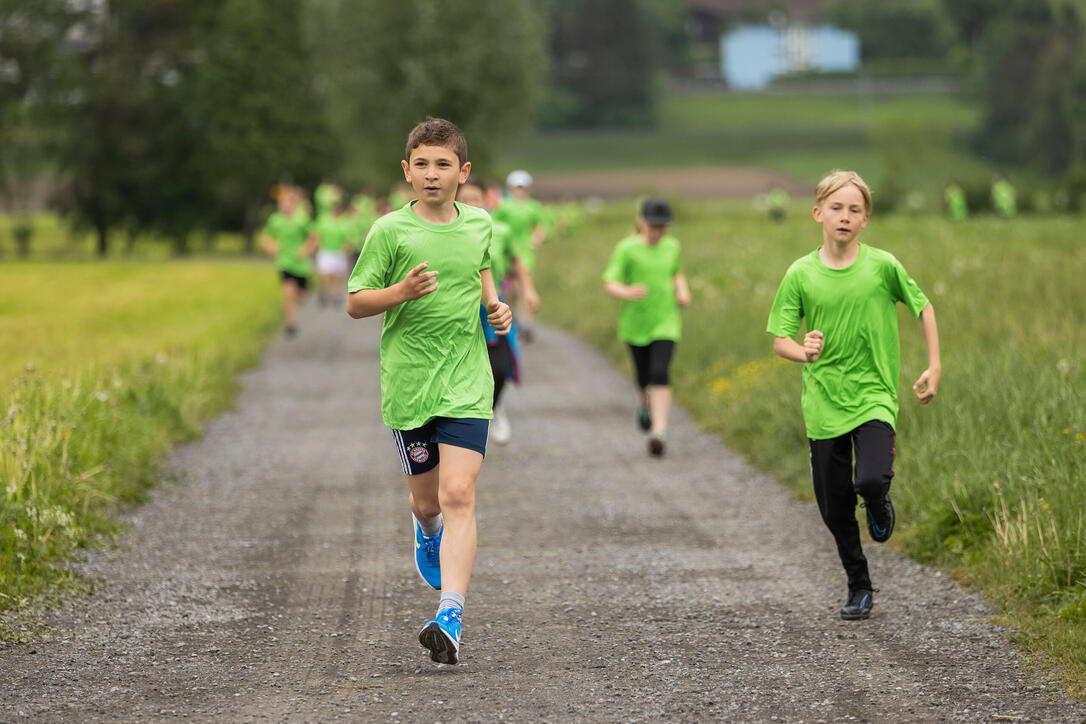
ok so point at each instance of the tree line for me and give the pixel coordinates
(175, 117)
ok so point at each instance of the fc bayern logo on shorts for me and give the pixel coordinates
(419, 454)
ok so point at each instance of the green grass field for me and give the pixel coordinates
(990, 476)
(802, 135)
(105, 366)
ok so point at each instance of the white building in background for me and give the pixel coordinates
(753, 55)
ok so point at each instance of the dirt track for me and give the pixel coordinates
(272, 579)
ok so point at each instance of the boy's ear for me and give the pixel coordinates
(406, 171)
(465, 171)
(816, 212)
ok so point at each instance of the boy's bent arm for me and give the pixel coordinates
(368, 302)
(928, 383)
(682, 290)
(790, 349)
(498, 313)
(524, 276)
(631, 293)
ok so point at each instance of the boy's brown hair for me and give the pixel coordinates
(837, 180)
(437, 132)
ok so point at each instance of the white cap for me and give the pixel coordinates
(518, 178)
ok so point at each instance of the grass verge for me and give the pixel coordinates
(107, 365)
(990, 477)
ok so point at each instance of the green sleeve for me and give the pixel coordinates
(374, 262)
(616, 268)
(271, 226)
(486, 247)
(677, 267)
(904, 289)
(787, 311)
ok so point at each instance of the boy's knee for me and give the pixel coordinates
(871, 487)
(457, 493)
(425, 507)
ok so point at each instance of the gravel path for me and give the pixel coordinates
(271, 579)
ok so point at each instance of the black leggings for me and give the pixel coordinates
(501, 364)
(836, 489)
(652, 361)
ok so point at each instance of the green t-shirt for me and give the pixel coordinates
(500, 252)
(290, 234)
(1003, 199)
(334, 232)
(657, 315)
(956, 206)
(522, 217)
(434, 361)
(855, 379)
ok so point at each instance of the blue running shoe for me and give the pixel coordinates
(442, 636)
(880, 519)
(428, 555)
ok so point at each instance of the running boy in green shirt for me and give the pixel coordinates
(287, 237)
(436, 385)
(644, 273)
(847, 291)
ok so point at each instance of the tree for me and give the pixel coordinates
(603, 57)
(384, 66)
(1030, 75)
(258, 111)
(33, 63)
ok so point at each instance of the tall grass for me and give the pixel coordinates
(991, 476)
(105, 366)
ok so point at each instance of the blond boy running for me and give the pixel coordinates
(846, 292)
(436, 385)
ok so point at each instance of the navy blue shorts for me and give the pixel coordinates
(418, 447)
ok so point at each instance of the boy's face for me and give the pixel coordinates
(842, 215)
(653, 232)
(519, 192)
(472, 196)
(288, 201)
(435, 172)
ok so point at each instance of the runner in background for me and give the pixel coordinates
(644, 273)
(528, 221)
(287, 237)
(505, 266)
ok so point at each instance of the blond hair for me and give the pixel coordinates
(837, 180)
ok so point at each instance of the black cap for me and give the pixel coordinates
(656, 211)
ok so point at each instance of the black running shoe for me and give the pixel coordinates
(656, 445)
(858, 606)
(880, 519)
(644, 418)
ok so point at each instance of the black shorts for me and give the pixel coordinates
(302, 282)
(418, 448)
(653, 362)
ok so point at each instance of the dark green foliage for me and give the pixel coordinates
(603, 55)
(1025, 58)
(257, 109)
(894, 29)
(385, 66)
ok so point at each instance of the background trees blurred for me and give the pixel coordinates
(177, 116)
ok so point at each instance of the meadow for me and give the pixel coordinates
(801, 135)
(105, 366)
(991, 476)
